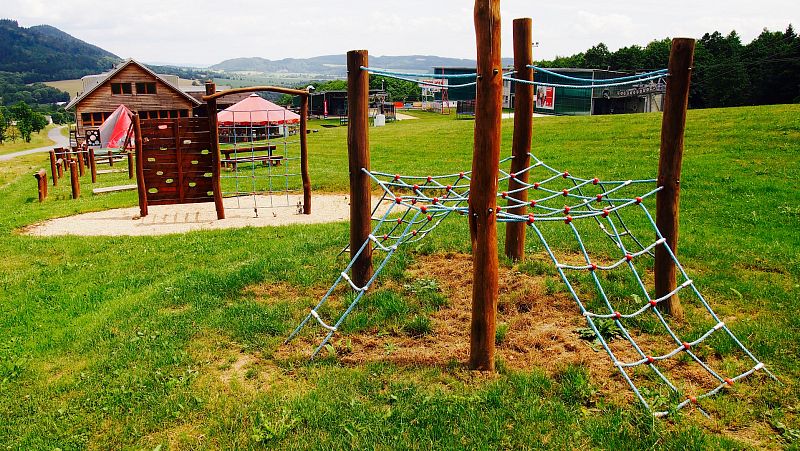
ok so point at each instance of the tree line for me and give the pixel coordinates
(20, 121)
(726, 72)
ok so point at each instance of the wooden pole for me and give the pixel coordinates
(74, 180)
(53, 170)
(304, 155)
(483, 187)
(673, 125)
(130, 164)
(140, 185)
(358, 158)
(93, 165)
(81, 169)
(110, 159)
(523, 129)
(211, 106)
(41, 181)
(60, 167)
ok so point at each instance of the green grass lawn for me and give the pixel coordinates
(140, 342)
(39, 139)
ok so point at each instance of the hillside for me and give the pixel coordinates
(335, 64)
(44, 53)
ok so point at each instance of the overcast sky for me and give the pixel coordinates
(207, 32)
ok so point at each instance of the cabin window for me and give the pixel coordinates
(145, 88)
(121, 88)
(94, 119)
(184, 113)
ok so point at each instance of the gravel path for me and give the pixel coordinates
(54, 134)
(167, 219)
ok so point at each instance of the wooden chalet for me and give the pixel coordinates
(137, 87)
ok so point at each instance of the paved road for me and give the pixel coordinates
(54, 134)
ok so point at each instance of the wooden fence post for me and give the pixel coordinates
(60, 167)
(211, 106)
(140, 185)
(673, 125)
(358, 158)
(483, 187)
(74, 180)
(53, 169)
(81, 165)
(93, 165)
(110, 159)
(304, 155)
(130, 164)
(41, 181)
(523, 129)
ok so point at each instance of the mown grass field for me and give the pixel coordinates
(175, 341)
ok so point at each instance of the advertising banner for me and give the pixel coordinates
(545, 97)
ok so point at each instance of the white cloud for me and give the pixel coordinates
(202, 31)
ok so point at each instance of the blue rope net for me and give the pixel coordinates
(412, 207)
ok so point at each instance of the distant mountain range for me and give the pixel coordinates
(45, 53)
(335, 65)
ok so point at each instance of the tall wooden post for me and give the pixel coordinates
(74, 179)
(483, 187)
(41, 182)
(673, 125)
(110, 159)
(53, 169)
(304, 155)
(60, 167)
(211, 107)
(81, 165)
(93, 165)
(141, 187)
(358, 158)
(523, 129)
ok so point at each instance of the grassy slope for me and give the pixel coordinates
(37, 140)
(112, 342)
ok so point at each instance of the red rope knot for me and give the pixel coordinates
(385, 237)
(499, 208)
(504, 194)
(653, 303)
(565, 192)
(565, 174)
(530, 219)
(592, 267)
(599, 197)
(449, 187)
(628, 257)
(414, 232)
(686, 345)
(430, 218)
(617, 315)
(430, 179)
(399, 200)
(414, 201)
(566, 209)
(416, 187)
(692, 400)
(399, 220)
(461, 175)
(397, 177)
(533, 203)
(435, 200)
(650, 360)
(638, 200)
(595, 181)
(605, 212)
(513, 175)
(536, 185)
(423, 209)
(568, 219)
(729, 381)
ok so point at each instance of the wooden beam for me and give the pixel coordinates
(304, 155)
(294, 92)
(483, 187)
(523, 129)
(213, 128)
(673, 125)
(358, 158)
(142, 188)
(75, 181)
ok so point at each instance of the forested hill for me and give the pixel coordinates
(45, 53)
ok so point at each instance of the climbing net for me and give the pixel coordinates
(412, 207)
(261, 159)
